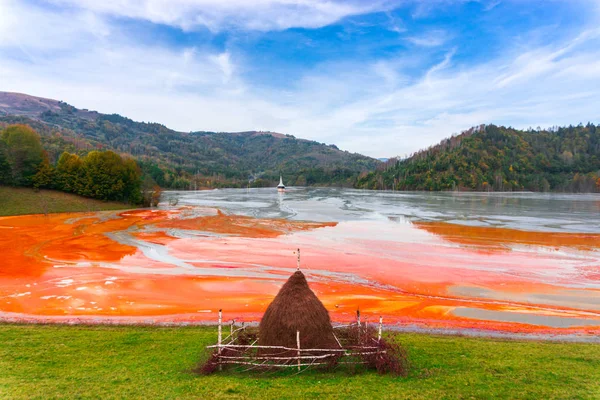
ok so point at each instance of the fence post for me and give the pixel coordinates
(231, 333)
(379, 334)
(298, 343)
(219, 340)
(358, 322)
(298, 262)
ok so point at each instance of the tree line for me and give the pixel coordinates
(497, 158)
(184, 160)
(103, 175)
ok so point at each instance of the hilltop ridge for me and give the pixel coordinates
(184, 160)
(23, 104)
(497, 158)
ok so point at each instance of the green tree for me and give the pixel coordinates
(45, 176)
(102, 175)
(24, 153)
(5, 173)
(132, 178)
(69, 173)
(107, 176)
(499, 158)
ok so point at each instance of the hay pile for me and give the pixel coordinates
(296, 308)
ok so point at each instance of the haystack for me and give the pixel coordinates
(296, 308)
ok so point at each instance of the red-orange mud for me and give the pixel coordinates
(494, 238)
(238, 225)
(184, 265)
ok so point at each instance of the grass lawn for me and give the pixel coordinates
(46, 361)
(19, 201)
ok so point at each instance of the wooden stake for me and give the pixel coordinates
(298, 263)
(337, 340)
(219, 339)
(380, 324)
(358, 322)
(298, 343)
(232, 323)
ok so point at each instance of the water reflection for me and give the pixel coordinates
(526, 211)
(388, 253)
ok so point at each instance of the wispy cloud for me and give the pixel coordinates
(430, 39)
(546, 90)
(395, 24)
(389, 104)
(21, 26)
(223, 61)
(492, 4)
(216, 15)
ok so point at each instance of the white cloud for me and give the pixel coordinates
(224, 63)
(492, 4)
(21, 27)
(374, 107)
(430, 39)
(395, 24)
(545, 86)
(216, 15)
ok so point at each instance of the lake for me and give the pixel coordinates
(497, 263)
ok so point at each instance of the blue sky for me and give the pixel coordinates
(382, 78)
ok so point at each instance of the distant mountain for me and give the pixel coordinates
(186, 159)
(492, 158)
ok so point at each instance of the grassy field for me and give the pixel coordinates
(19, 201)
(150, 362)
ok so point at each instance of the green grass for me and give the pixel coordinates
(45, 361)
(20, 201)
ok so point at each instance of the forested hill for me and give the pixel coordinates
(186, 159)
(493, 158)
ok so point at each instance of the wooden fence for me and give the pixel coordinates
(231, 352)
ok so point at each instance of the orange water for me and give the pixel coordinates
(183, 265)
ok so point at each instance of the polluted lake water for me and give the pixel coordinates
(516, 263)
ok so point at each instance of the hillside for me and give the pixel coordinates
(20, 201)
(21, 104)
(186, 159)
(492, 158)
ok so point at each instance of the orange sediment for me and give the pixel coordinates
(182, 266)
(242, 226)
(495, 238)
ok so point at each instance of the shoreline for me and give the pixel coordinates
(106, 271)
(593, 335)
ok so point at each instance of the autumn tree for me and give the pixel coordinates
(69, 173)
(45, 176)
(5, 173)
(24, 153)
(107, 176)
(500, 158)
(102, 175)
